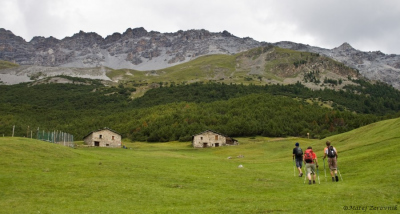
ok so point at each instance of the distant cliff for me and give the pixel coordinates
(134, 49)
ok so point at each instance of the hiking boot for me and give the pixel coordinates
(313, 182)
(301, 174)
(337, 178)
(333, 179)
(309, 182)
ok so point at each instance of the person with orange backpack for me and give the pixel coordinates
(310, 160)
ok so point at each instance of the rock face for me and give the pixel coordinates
(372, 65)
(134, 49)
(142, 50)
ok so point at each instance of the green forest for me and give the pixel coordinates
(177, 112)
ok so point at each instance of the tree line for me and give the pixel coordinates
(180, 111)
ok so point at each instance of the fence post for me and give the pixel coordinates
(56, 136)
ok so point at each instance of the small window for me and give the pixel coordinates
(201, 138)
(216, 137)
(112, 137)
(107, 144)
(101, 136)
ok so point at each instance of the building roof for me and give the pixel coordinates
(105, 128)
(208, 130)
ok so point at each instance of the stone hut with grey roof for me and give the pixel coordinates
(211, 138)
(103, 138)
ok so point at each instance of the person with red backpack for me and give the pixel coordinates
(331, 152)
(310, 160)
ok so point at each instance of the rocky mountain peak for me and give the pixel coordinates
(226, 34)
(112, 38)
(42, 40)
(346, 46)
(7, 36)
(84, 35)
(135, 33)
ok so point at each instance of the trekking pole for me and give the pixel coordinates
(339, 173)
(325, 171)
(294, 169)
(318, 176)
(305, 174)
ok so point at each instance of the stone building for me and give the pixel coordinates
(212, 139)
(103, 138)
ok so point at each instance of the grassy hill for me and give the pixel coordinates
(259, 66)
(40, 177)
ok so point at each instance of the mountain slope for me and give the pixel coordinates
(259, 66)
(262, 65)
(368, 151)
(142, 50)
(372, 65)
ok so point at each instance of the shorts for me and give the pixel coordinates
(332, 163)
(299, 163)
(311, 168)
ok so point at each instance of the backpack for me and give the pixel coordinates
(308, 156)
(299, 152)
(331, 152)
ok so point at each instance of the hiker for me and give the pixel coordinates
(331, 152)
(298, 154)
(310, 160)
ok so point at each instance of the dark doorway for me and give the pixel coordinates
(96, 143)
(204, 145)
(216, 144)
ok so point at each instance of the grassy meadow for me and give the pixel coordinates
(40, 177)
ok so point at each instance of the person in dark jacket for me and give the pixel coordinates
(298, 156)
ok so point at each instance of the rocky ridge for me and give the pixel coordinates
(134, 49)
(373, 65)
(142, 50)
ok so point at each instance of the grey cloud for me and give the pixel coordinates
(335, 22)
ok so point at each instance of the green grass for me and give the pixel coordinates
(6, 64)
(40, 177)
(201, 69)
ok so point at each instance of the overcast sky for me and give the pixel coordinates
(368, 25)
